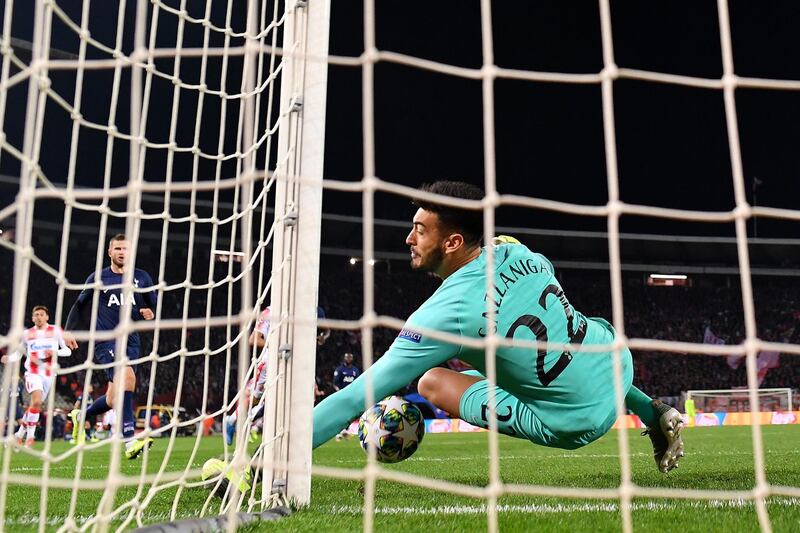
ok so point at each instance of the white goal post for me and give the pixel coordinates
(296, 254)
(192, 174)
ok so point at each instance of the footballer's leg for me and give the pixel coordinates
(133, 447)
(444, 387)
(103, 354)
(35, 387)
(664, 426)
(466, 395)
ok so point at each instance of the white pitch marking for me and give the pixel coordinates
(562, 456)
(609, 507)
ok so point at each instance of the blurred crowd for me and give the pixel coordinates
(668, 313)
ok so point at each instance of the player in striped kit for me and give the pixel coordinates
(42, 345)
(255, 386)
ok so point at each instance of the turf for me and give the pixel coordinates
(717, 459)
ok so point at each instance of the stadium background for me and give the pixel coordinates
(672, 149)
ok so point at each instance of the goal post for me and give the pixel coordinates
(224, 116)
(769, 399)
(296, 253)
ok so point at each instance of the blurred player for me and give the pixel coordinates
(344, 375)
(255, 386)
(691, 410)
(109, 422)
(41, 345)
(323, 334)
(111, 301)
(553, 397)
(88, 424)
(16, 411)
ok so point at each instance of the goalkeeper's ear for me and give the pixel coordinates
(504, 239)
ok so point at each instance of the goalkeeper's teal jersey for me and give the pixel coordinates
(570, 393)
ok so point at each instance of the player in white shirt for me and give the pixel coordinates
(42, 345)
(109, 421)
(255, 386)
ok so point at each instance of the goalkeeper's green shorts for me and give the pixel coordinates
(518, 419)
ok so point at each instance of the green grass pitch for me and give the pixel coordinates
(717, 458)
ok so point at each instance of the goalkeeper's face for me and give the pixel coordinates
(426, 241)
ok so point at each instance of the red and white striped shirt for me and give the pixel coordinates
(262, 325)
(260, 375)
(35, 344)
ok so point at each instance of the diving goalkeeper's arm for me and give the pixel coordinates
(409, 357)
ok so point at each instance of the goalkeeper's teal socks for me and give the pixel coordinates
(641, 404)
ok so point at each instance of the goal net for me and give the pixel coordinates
(210, 117)
(709, 401)
(196, 130)
(495, 487)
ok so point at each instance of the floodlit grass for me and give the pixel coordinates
(717, 459)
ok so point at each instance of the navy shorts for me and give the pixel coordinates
(105, 354)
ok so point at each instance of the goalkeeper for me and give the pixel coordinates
(552, 397)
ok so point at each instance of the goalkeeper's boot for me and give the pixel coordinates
(29, 443)
(135, 447)
(254, 435)
(666, 436)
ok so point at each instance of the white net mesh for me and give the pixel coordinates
(612, 211)
(158, 120)
(230, 165)
(727, 400)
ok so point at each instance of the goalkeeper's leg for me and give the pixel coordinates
(465, 395)
(664, 427)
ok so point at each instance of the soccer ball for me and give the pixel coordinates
(394, 427)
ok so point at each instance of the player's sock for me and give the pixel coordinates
(98, 407)
(31, 421)
(642, 405)
(128, 421)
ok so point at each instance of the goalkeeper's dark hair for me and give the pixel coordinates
(467, 222)
(40, 308)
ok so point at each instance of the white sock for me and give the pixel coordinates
(32, 420)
